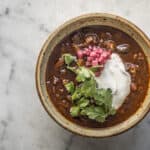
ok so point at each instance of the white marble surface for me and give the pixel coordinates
(24, 25)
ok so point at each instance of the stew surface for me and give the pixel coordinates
(132, 56)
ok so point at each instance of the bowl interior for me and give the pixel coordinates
(56, 37)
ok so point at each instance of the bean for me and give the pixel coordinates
(57, 95)
(133, 86)
(48, 82)
(65, 103)
(140, 56)
(135, 56)
(63, 71)
(77, 38)
(65, 81)
(61, 90)
(55, 80)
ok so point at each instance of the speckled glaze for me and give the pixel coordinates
(56, 37)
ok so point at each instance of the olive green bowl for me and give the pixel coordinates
(56, 37)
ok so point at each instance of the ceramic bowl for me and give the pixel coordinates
(56, 37)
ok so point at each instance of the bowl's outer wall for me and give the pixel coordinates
(56, 37)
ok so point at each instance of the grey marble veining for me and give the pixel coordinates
(24, 25)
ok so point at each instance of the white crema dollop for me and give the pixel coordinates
(115, 77)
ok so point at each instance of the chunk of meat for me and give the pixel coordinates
(91, 38)
(110, 44)
(59, 63)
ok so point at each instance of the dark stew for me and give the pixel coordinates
(107, 38)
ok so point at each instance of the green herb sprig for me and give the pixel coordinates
(87, 99)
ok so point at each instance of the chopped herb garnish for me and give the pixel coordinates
(69, 58)
(73, 69)
(94, 113)
(70, 87)
(83, 74)
(83, 102)
(74, 111)
(87, 99)
(77, 94)
(95, 68)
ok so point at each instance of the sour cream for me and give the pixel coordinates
(115, 77)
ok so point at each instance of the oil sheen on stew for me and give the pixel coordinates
(113, 39)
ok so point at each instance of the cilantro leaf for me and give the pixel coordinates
(68, 58)
(101, 105)
(94, 113)
(73, 69)
(112, 111)
(83, 102)
(74, 111)
(103, 97)
(108, 99)
(88, 88)
(77, 94)
(95, 68)
(70, 87)
(83, 74)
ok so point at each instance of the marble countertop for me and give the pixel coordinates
(24, 25)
